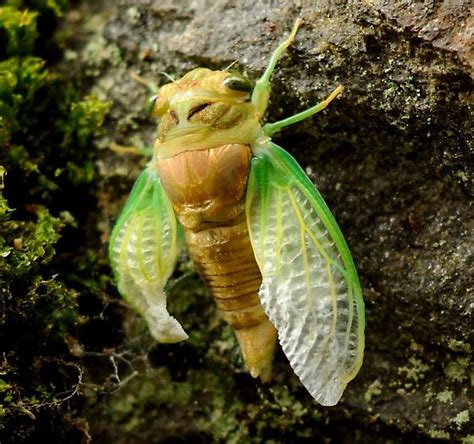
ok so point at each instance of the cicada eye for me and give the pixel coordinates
(238, 84)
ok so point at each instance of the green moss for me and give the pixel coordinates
(456, 370)
(418, 348)
(55, 6)
(84, 120)
(153, 390)
(375, 389)
(5, 210)
(459, 346)
(20, 79)
(47, 128)
(439, 434)
(445, 396)
(4, 386)
(28, 243)
(19, 28)
(461, 418)
(416, 371)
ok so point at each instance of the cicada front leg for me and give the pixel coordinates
(271, 128)
(144, 150)
(261, 92)
(133, 150)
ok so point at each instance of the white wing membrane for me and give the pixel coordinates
(143, 250)
(309, 291)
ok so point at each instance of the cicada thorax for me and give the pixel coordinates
(207, 189)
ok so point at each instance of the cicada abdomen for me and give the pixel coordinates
(259, 232)
(208, 189)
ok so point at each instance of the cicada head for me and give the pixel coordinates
(203, 109)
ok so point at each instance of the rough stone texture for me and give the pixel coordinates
(393, 158)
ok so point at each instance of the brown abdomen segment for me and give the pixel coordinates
(207, 189)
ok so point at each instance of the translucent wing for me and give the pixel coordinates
(143, 249)
(310, 289)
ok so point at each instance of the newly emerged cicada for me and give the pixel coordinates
(258, 231)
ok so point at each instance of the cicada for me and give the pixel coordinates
(259, 233)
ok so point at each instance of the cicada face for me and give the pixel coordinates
(203, 109)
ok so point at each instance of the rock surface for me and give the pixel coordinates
(393, 158)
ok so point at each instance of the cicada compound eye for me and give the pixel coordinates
(236, 83)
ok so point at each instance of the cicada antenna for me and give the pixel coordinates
(170, 78)
(231, 65)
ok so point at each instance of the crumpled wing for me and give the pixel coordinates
(143, 250)
(310, 289)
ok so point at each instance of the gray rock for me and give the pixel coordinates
(393, 158)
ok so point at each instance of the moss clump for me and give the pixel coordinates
(20, 78)
(439, 434)
(461, 419)
(19, 29)
(456, 370)
(375, 389)
(27, 244)
(445, 396)
(46, 161)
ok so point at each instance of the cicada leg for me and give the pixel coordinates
(133, 150)
(122, 149)
(152, 87)
(261, 91)
(271, 128)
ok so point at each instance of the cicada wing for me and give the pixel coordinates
(310, 288)
(143, 249)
